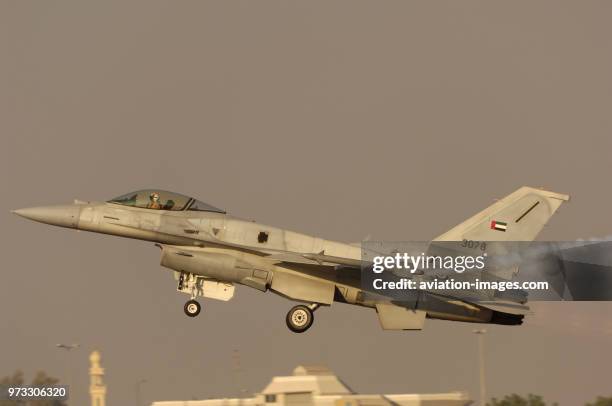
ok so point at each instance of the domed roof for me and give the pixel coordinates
(94, 357)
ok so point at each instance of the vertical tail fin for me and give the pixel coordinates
(519, 216)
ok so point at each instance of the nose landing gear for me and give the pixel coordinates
(301, 317)
(187, 283)
(192, 308)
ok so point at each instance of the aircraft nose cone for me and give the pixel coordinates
(62, 216)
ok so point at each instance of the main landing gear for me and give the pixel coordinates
(301, 317)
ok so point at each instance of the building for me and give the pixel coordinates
(318, 386)
(97, 388)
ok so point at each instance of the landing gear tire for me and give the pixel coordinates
(300, 318)
(192, 308)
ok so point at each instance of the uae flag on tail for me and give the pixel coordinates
(499, 225)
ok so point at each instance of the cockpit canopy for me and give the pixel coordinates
(156, 199)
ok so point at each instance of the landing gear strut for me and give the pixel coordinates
(192, 308)
(187, 283)
(300, 317)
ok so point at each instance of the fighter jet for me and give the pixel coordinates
(211, 251)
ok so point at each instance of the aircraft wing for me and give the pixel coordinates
(313, 259)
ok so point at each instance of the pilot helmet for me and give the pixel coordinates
(154, 196)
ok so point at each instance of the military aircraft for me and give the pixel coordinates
(211, 251)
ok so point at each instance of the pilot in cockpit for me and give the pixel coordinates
(154, 201)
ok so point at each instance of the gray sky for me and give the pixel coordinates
(394, 119)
